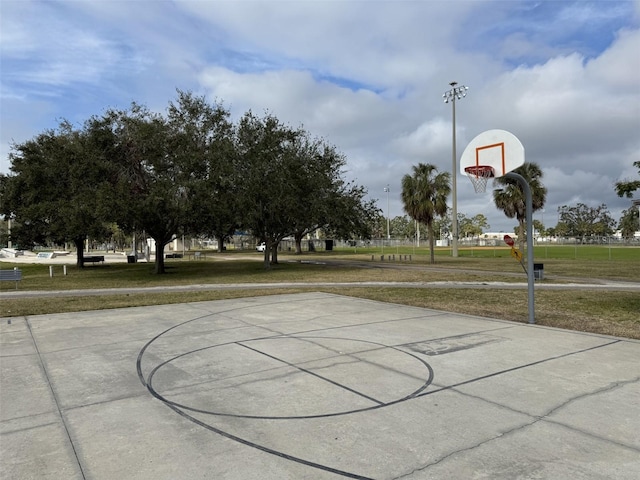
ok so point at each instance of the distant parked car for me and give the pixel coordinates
(261, 247)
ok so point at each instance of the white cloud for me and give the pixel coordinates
(376, 43)
(366, 76)
(619, 67)
(427, 139)
(297, 98)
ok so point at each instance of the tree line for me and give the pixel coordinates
(404, 227)
(190, 171)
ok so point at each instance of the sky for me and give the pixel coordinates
(367, 76)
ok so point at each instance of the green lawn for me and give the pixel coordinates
(583, 252)
(608, 312)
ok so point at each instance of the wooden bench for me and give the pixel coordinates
(94, 259)
(173, 255)
(11, 276)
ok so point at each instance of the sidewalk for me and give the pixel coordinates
(312, 386)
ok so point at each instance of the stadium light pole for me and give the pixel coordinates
(457, 92)
(386, 189)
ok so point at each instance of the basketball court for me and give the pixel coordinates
(312, 386)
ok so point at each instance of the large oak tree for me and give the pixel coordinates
(203, 142)
(583, 221)
(153, 187)
(59, 189)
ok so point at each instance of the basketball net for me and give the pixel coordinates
(479, 175)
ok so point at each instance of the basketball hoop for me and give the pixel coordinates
(479, 175)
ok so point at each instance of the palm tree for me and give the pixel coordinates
(511, 199)
(424, 196)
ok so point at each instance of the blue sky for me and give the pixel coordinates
(368, 76)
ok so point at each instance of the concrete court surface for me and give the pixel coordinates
(312, 386)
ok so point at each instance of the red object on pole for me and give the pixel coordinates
(508, 240)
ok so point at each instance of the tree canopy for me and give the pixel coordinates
(292, 185)
(189, 171)
(204, 142)
(582, 221)
(58, 188)
(472, 227)
(629, 223)
(627, 188)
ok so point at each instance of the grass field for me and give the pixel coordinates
(608, 312)
(582, 252)
(590, 261)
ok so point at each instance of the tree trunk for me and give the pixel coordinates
(220, 244)
(522, 234)
(298, 239)
(267, 255)
(79, 243)
(274, 254)
(159, 264)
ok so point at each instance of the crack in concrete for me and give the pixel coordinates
(466, 449)
(611, 387)
(536, 419)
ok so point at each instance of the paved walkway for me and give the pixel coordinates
(312, 386)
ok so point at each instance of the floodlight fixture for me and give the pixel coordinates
(457, 92)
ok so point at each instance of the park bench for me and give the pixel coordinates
(14, 275)
(94, 259)
(173, 255)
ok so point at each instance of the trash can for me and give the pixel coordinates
(131, 259)
(328, 245)
(538, 271)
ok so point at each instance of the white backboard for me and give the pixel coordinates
(496, 148)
